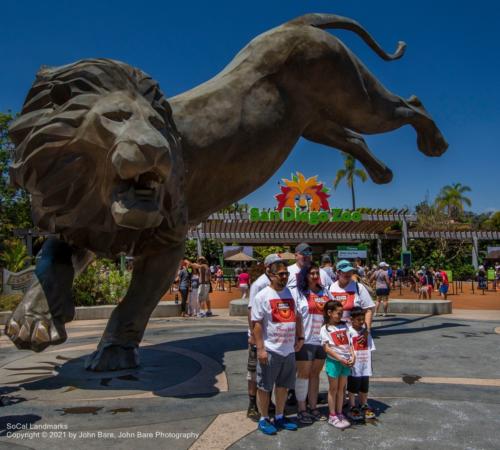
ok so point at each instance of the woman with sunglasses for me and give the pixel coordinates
(311, 297)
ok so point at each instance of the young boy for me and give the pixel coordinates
(358, 381)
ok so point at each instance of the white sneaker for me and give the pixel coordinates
(344, 422)
(335, 421)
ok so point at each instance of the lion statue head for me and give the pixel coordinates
(97, 148)
(305, 194)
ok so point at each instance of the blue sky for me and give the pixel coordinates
(452, 63)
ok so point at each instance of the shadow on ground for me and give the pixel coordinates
(193, 364)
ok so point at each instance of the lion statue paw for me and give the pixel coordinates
(113, 357)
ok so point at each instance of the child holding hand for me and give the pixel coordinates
(358, 381)
(340, 358)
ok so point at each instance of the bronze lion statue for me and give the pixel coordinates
(114, 167)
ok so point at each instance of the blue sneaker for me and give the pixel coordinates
(285, 424)
(267, 427)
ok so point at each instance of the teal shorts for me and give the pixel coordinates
(335, 369)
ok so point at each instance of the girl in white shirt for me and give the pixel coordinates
(340, 358)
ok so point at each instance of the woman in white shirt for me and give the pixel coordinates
(310, 296)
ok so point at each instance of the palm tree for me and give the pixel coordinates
(349, 172)
(452, 200)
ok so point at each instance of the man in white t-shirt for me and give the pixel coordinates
(278, 332)
(260, 283)
(303, 258)
(351, 294)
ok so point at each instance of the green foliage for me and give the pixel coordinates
(14, 256)
(492, 223)
(15, 207)
(235, 207)
(9, 302)
(452, 199)
(260, 252)
(349, 172)
(100, 284)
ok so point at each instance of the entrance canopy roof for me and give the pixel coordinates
(237, 227)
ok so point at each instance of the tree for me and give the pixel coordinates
(15, 207)
(452, 199)
(493, 223)
(349, 172)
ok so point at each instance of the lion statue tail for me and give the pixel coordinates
(331, 21)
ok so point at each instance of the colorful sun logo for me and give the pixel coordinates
(307, 194)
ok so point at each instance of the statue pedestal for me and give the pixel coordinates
(238, 307)
(431, 307)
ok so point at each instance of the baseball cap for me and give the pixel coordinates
(383, 264)
(325, 259)
(344, 266)
(304, 249)
(271, 259)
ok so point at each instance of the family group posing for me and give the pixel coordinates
(299, 318)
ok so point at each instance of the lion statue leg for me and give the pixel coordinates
(331, 134)
(151, 277)
(39, 319)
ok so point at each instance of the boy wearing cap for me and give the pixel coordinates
(260, 283)
(351, 294)
(303, 258)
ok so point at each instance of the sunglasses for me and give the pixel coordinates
(281, 274)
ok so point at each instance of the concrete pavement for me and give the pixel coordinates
(436, 385)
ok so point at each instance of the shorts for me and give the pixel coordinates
(382, 292)
(279, 370)
(335, 369)
(355, 385)
(310, 352)
(203, 292)
(443, 289)
(252, 363)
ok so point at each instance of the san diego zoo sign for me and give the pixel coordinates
(303, 200)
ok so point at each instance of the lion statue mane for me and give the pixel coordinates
(97, 148)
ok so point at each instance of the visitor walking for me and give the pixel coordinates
(244, 283)
(382, 286)
(194, 306)
(183, 280)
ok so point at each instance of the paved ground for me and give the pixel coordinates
(437, 386)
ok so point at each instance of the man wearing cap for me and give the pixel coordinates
(351, 294)
(382, 286)
(303, 258)
(278, 332)
(257, 286)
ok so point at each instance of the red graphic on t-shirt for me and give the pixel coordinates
(360, 342)
(346, 298)
(339, 337)
(316, 303)
(283, 310)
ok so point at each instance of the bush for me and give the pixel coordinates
(15, 256)
(9, 302)
(464, 272)
(100, 284)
